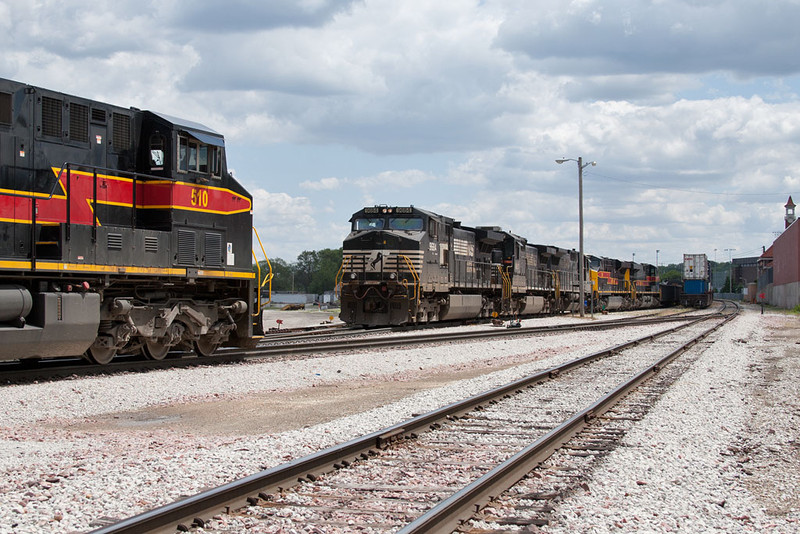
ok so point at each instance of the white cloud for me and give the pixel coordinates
(324, 184)
(690, 109)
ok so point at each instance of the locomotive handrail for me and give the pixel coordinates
(413, 272)
(557, 284)
(117, 172)
(339, 280)
(68, 166)
(506, 281)
(267, 278)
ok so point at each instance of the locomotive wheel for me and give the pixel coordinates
(101, 355)
(204, 346)
(153, 350)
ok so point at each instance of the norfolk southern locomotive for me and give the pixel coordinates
(405, 265)
(121, 231)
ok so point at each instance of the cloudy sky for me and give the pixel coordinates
(690, 108)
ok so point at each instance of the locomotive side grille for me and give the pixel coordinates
(121, 139)
(98, 115)
(5, 108)
(462, 247)
(114, 241)
(79, 122)
(51, 116)
(151, 244)
(213, 250)
(186, 247)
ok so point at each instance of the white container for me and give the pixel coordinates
(695, 267)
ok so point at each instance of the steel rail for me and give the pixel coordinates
(446, 516)
(443, 337)
(57, 368)
(191, 511)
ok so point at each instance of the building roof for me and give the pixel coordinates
(789, 204)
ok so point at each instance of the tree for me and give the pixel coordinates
(328, 262)
(316, 270)
(671, 275)
(282, 274)
(313, 272)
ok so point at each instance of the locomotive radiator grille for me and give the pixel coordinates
(79, 122)
(51, 116)
(186, 247)
(213, 244)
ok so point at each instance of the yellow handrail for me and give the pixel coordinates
(557, 284)
(506, 282)
(267, 278)
(630, 285)
(414, 274)
(338, 281)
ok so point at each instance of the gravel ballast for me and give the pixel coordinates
(75, 451)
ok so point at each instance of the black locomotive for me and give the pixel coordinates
(405, 265)
(121, 231)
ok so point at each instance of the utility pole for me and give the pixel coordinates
(730, 268)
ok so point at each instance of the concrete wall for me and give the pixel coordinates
(785, 295)
(292, 298)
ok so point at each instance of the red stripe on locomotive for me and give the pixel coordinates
(119, 191)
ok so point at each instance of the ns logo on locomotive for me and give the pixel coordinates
(405, 265)
(121, 231)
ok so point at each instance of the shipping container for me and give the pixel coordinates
(695, 267)
(695, 287)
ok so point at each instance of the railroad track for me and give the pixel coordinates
(295, 345)
(391, 479)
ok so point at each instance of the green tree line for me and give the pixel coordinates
(314, 271)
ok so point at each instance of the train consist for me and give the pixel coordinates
(121, 231)
(405, 265)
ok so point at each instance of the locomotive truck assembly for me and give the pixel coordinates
(121, 231)
(405, 265)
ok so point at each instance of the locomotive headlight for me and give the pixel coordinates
(353, 276)
(392, 276)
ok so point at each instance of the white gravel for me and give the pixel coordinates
(61, 473)
(682, 468)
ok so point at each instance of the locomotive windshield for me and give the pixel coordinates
(401, 223)
(368, 224)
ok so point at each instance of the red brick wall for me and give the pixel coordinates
(786, 255)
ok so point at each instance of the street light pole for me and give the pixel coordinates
(714, 272)
(657, 276)
(730, 268)
(581, 273)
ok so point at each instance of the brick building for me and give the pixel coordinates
(784, 291)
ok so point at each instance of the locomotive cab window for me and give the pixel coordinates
(368, 224)
(194, 156)
(156, 152)
(402, 223)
